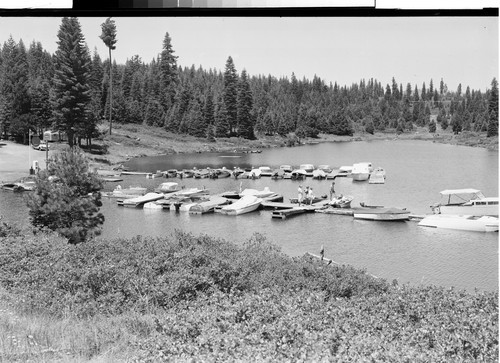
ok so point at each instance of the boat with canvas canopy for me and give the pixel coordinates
(466, 202)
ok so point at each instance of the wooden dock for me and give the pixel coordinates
(285, 210)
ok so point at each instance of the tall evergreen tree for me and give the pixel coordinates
(231, 94)
(222, 125)
(108, 36)
(493, 109)
(168, 69)
(244, 108)
(71, 91)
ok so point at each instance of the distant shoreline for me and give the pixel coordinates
(133, 141)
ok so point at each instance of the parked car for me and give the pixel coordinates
(44, 146)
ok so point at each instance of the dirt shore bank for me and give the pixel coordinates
(131, 141)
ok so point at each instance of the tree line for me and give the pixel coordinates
(73, 90)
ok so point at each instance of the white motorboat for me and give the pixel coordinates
(308, 168)
(361, 171)
(381, 213)
(461, 222)
(286, 168)
(183, 206)
(341, 201)
(208, 205)
(168, 187)
(257, 193)
(139, 201)
(325, 168)
(119, 191)
(265, 171)
(377, 176)
(153, 205)
(298, 174)
(246, 204)
(466, 202)
(318, 174)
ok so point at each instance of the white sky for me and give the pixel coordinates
(342, 49)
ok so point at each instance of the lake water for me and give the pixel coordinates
(416, 172)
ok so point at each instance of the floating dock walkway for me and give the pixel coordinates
(285, 210)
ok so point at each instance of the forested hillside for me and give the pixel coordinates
(70, 91)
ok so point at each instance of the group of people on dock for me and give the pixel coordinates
(306, 196)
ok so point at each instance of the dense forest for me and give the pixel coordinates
(71, 91)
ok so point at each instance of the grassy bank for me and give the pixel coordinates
(130, 141)
(195, 298)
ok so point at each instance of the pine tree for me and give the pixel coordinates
(244, 108)
(66, 197)
(168, 69)
(222, 125)
(231, 94)
(108, 36)
(71, 93)
(493, 109)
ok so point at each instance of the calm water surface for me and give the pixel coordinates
(416, 172)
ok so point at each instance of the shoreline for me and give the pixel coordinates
(110, 152)
(145, 145)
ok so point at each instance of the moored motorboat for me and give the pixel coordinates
(266, 192)
(308, 168)
(141, 200)
(326, 168)
(361, 171)
(341, 201)
(318, 174)
(168, 187)
(461, 222)
(246, 204)
(381, 213)
(466, 202)
(377, 176)
(286, 168)
(265, 171)
(209, 205)
(298, 174)
(278, 174)
(119, 191)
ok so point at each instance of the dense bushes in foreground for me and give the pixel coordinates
(186, 297)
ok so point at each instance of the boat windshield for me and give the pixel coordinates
(460, 196)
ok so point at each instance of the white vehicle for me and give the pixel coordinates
(44, 146)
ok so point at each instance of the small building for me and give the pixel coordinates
(54, 136)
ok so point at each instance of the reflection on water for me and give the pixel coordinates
(416, 172)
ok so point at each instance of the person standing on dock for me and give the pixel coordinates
(300, 194)
(310, 196)
(332, 190)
